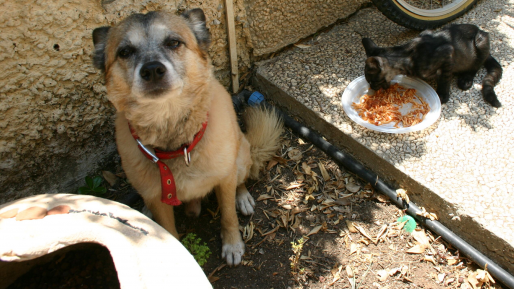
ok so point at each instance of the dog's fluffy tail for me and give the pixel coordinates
(263, 130)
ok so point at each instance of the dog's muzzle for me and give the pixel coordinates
(153, 71)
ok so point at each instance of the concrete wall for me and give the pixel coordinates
(276, 23)
(56, 123)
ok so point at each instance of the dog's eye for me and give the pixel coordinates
(126, 52)
(172, 44)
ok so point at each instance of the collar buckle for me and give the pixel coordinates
(187, 156)
(150, 153)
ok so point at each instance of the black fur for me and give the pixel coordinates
(196, 19)
(100, 40)
(458, 50)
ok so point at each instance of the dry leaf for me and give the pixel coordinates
(336, 272)
(349, 271)
(324, 172)
(343, 202)
(424, 213)
(353, 248)
(293, 186)
(303, 46)
(248, 232)
(430, 259)
(315, 230)
(110, 177)
(401, 225)
(295, 155)
(484, 276)
(211, 276)
(422, 238)
(394, 271)
(271, 164)
(449, 281)
(382, 198)
(271, 231)
(264, 197)
(306, 168)
(353, 187)
(452, 261)
(296, 222)
(297, 210)
(214, 214)
(381, 232)
(474, 282)
(364, 233)
(351, 226)
(121, 175)
(280, 160)
(382, 275)
(401, 193)
(287, 206)
(417, 249)
(284, 220)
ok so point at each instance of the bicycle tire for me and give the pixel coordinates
(395, 11)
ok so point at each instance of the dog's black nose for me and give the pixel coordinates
(152, 71)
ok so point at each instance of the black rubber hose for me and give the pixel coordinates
(354, 166)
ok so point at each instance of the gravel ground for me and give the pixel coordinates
(465, 157)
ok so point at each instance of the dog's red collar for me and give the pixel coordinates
(168, 187)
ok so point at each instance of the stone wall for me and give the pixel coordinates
(274, 24)
(56, 123)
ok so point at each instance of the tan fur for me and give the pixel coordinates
(224, 157)
(263, 132)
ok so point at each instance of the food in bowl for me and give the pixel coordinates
(385, 106)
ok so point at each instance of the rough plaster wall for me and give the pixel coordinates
(274, 24)
(56, 123)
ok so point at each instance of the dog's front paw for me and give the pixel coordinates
(244, 201)
(233, 253)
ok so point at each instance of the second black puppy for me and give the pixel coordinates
(460, 50)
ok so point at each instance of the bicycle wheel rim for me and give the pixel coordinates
(435, 14)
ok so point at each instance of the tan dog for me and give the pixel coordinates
(160, 79)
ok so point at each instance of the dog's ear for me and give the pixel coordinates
(196, 20)
(373, 65)
(100, 40)
(370, 47)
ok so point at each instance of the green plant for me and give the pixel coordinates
(93, 187)
(295, 259)
(199, 251)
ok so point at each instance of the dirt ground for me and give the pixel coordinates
(351, 237)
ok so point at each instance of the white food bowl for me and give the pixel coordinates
(360, 86)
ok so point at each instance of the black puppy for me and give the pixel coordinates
(460, 50)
